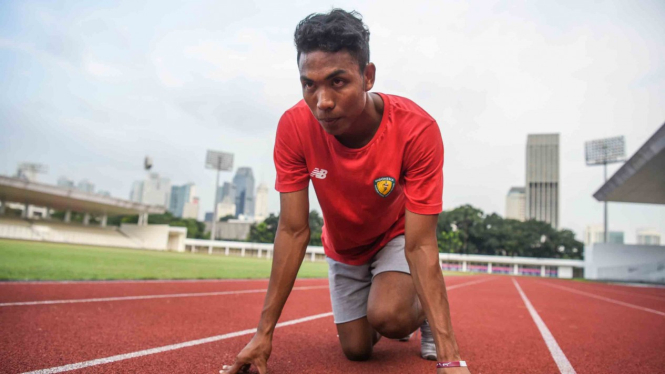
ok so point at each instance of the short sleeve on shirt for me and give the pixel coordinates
(423, 174)
(292, 174)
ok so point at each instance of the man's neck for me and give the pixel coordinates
(366, 125)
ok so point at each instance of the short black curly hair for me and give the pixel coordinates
(332, 32)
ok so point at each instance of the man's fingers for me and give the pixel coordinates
(232, 369)
(261, 365)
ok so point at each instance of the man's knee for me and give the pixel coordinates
(355, 351)
(392, 324)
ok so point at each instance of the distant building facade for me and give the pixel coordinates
(231, 230)
(516, 203)
(184, 202)
(261, 208)
(225, 208)
(542, 178)
(648, 237)
(244, 182)
(85, 186)
(596, 234)
(66, 183)
(152, 191)
(208, 217)
(227, 193)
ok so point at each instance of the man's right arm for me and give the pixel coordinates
(290, 245)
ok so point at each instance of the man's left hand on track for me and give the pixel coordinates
(462, 370)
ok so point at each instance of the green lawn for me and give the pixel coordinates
(21, 260)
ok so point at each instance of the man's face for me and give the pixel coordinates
(333, 88)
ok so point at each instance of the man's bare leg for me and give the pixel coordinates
(393, 310)
(357, 339)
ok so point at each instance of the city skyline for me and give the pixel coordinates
(149, 81)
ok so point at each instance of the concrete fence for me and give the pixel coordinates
(541, 267)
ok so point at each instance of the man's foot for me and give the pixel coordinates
(427, 346)
(406, 338)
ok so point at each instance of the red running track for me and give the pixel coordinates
(495, 330)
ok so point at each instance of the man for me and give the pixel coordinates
(376, 162)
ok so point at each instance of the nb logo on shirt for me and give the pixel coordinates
(319, 173)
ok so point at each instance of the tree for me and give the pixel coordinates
(315, 228)
(468, 230)
(265, 231)
(227, 217)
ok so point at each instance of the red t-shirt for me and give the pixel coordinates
(363, 192)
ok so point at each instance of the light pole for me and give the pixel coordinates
(220, 161)
(603, 152)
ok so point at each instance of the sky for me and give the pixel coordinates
(91, 88)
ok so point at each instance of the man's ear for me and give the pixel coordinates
(369, 75)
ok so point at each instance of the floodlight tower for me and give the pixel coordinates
(220, 161)
(29, 171)
(603, 152)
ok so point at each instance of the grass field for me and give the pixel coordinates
(22, 260)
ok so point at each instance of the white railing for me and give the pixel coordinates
(244, 249)
(544, 267)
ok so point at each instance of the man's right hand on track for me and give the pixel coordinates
(256, 353)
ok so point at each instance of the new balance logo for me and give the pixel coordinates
(319, 173)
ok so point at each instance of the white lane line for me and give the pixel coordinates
(468, 283)
(605, 289)
(199, 294)
(147, 297)
(146, 352)
(557, 354)
(121, 281)
(606, 299)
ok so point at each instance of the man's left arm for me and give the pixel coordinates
(422, 254)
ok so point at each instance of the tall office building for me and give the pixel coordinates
(244, 182)
(596, 234)
(152, 191)
(184, 202)
(227, 193)
(261, 211)
(648, 237)
(516, 203)
(542, 178)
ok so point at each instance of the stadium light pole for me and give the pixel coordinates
(220, 161)
(603, 152)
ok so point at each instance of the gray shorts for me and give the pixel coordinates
(349, 284)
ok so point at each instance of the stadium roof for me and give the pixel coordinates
(642, 178)
(59, 198)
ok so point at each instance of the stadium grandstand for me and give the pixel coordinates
(640, 180)
(35, 201)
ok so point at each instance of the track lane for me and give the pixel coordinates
(626, 294)
(35, 337)
(36, 291)
(62, 334)
(22, 292)
(491, 323)
(598, 336)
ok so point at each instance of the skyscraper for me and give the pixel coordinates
(542, 178)
(184, 202)
(152, 191)
(244, 181)
(227, 193)
(516, 203)
(261, 212)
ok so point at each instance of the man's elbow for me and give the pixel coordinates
(300, 233)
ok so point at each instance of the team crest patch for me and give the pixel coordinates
(384, 186)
